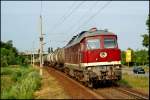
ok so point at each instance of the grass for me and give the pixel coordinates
(146, 68)
(136, 82)
(19, 82)
(50, 89)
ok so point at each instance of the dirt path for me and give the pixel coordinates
(55, 85)
(72, 87)
(50, 88)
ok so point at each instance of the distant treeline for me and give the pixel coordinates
(9, 55)
(138, 57)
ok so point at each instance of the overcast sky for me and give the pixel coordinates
(62, 19)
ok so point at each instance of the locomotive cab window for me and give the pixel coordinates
(110, 43)
(93, 44)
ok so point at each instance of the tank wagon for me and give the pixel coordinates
(56, 58)
(91, 57)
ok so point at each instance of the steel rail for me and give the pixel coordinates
(136, 95)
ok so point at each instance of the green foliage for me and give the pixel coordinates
(6, 71)
(50, 49)
(145, 41)
(25, 88)
(123, 57)
(21, 82)
(9, 55)
(142, 57)
(138, 82)
(147, 23)
(124, 82)
(139, 57)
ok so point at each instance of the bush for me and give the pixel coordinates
(25, 89)
(26, 79)
(6, 71)
(9, 55)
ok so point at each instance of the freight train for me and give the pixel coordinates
(91, 57)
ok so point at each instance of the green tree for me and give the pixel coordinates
(9, 54)
(4, 53)
(49, 50)
(145, 41)
(11, 57)
(142, 57)
(147, 23)
(123, 57)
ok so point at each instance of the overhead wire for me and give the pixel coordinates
(67, 16)
(90, 9)
(63, 17)
(41, 8)
(91, 17)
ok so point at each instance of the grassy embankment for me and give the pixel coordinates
(19, 82)
(136, 82)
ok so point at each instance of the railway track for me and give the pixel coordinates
(133, 93)
(119, 93)
(79, 91)
(72, 87)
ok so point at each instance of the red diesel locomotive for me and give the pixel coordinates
(91, 57)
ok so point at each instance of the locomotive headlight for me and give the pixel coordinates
(103, 54)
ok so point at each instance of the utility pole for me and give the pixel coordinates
(33, 53)
(31, 57)
(41, 43)
(41, 46)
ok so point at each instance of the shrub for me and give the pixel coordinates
(6, 71)
(25, 81)
(25, 89)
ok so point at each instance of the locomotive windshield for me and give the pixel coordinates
(93, 44)
(109, 43)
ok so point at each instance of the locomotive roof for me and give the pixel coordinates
(77, 38)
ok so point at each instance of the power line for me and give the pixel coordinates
(90, 18)
(73, 11)
(41, 8)
(67, 16)
(90, 9)
(63, 17)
